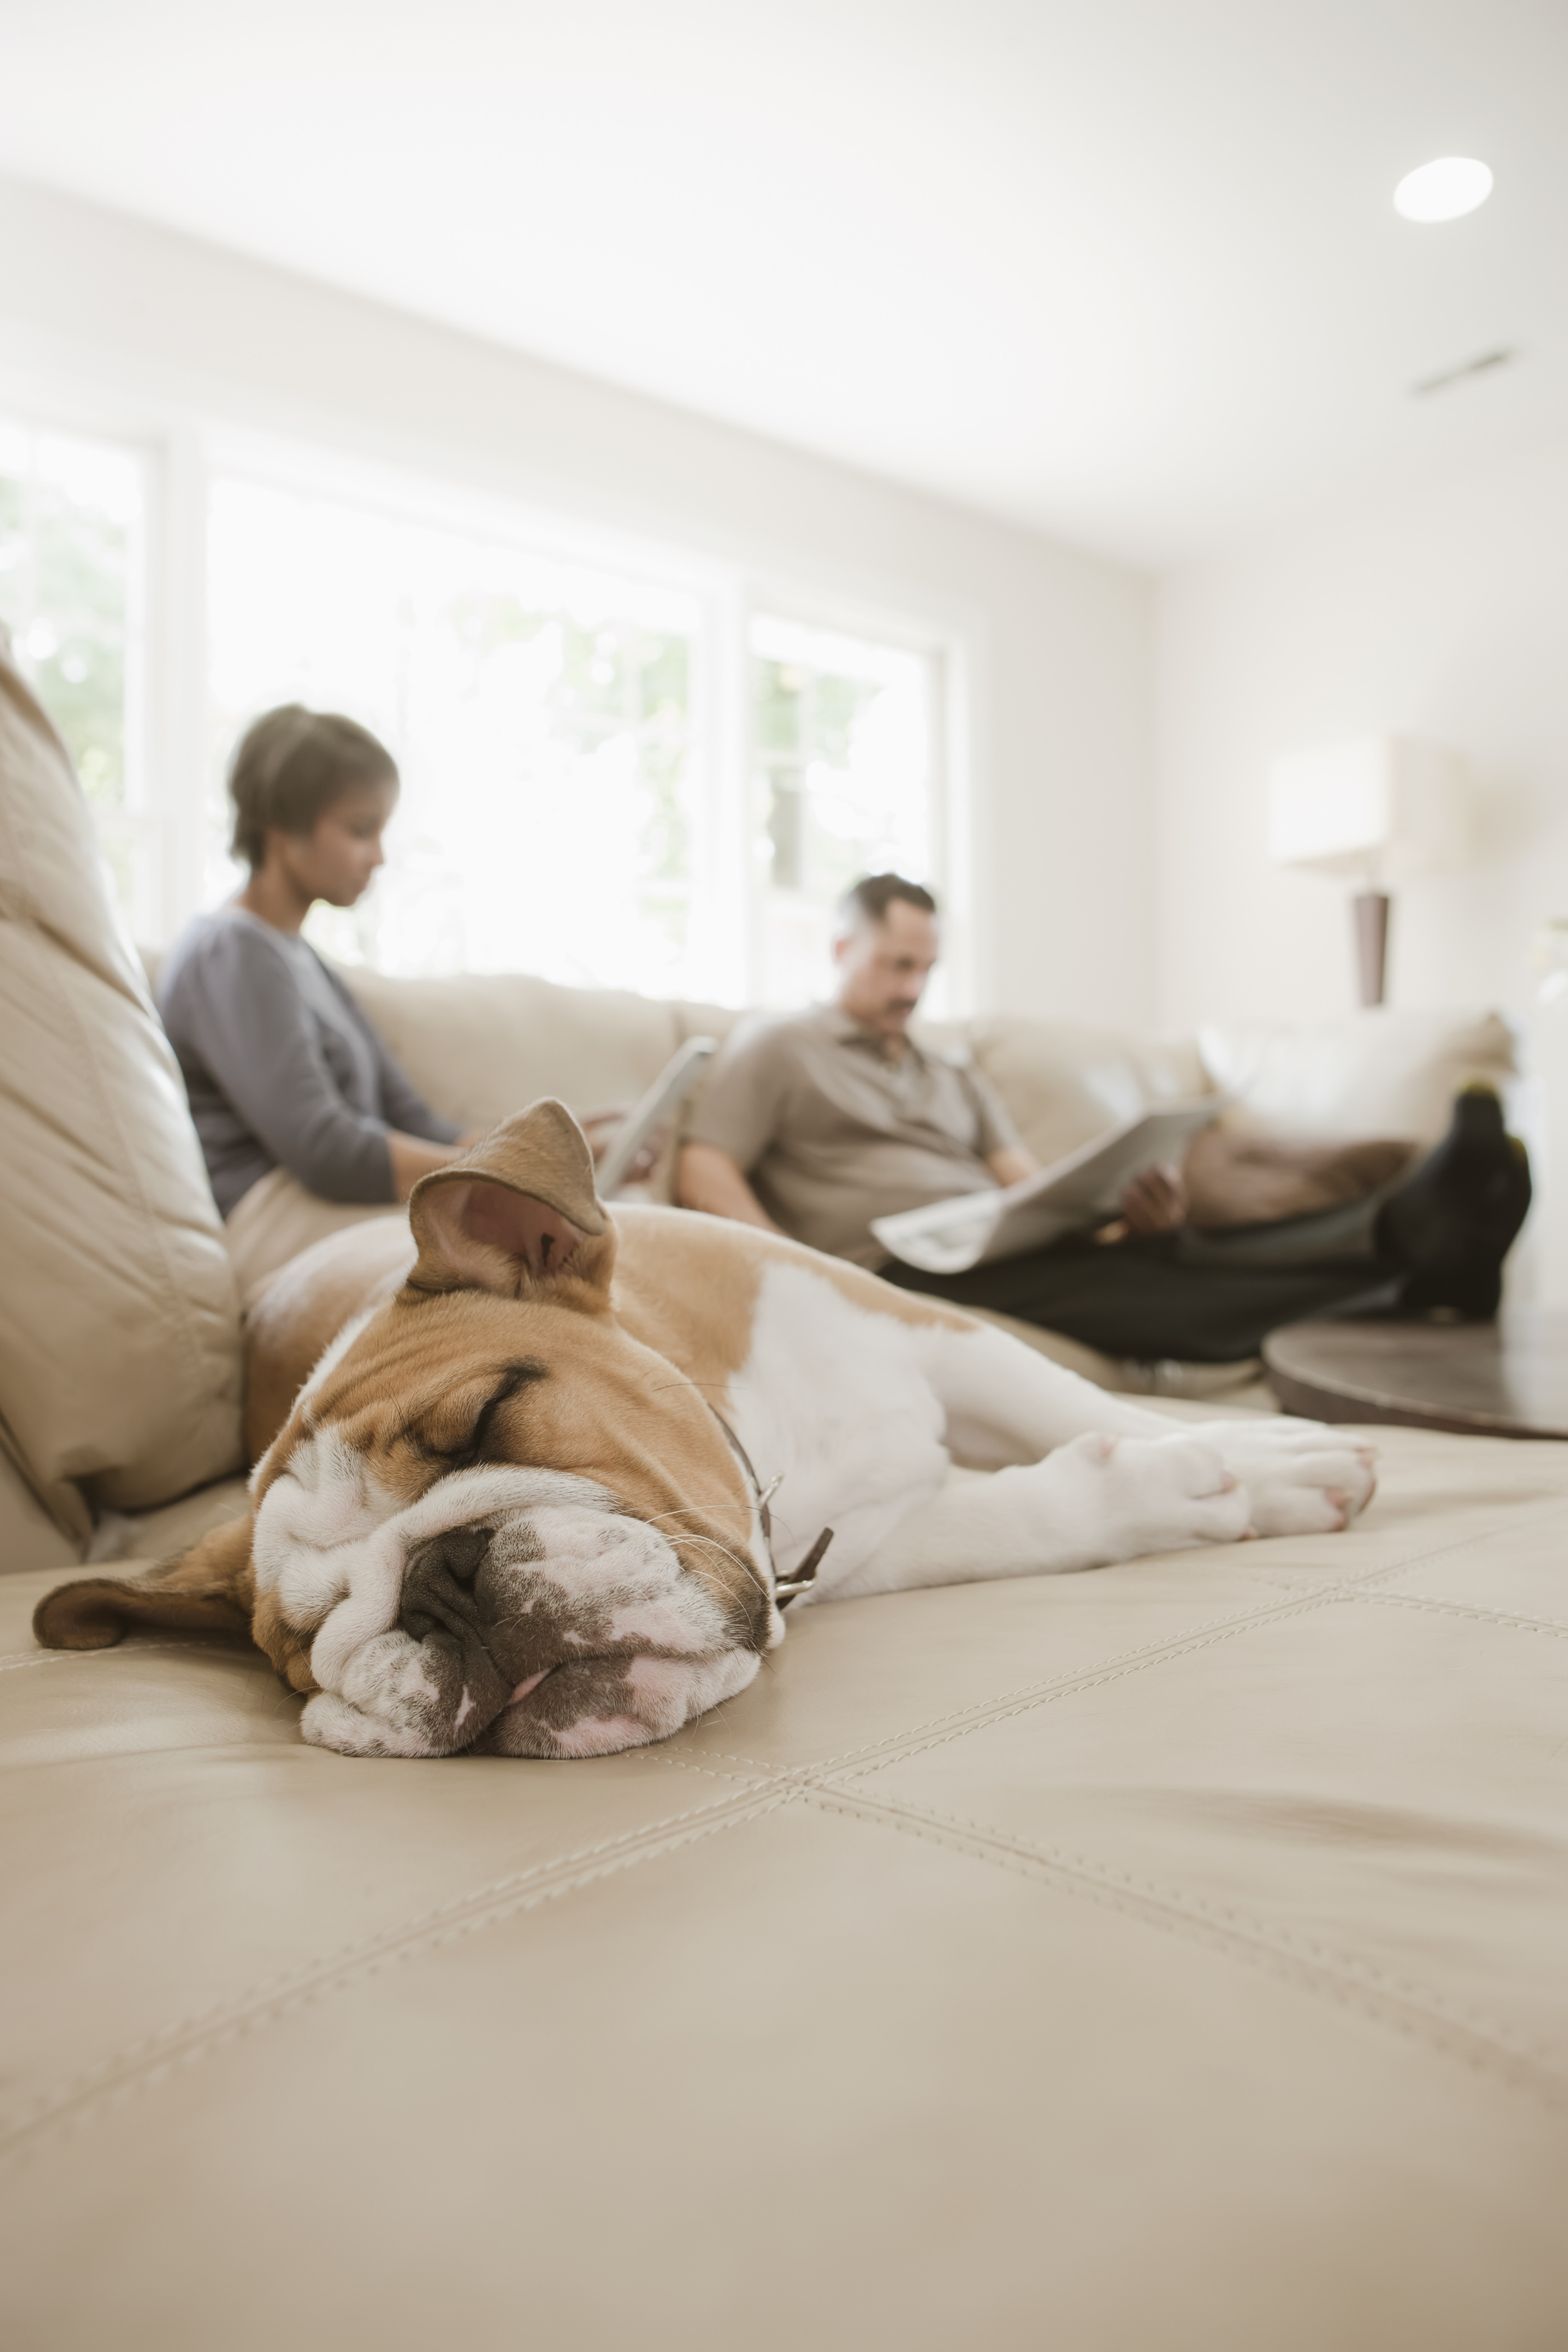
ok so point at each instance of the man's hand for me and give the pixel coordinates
(1155, 1201)
(602, 1127)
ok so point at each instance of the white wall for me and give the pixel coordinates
(1441, 612)
(1060, 643)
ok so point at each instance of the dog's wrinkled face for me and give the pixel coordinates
(493, 1519)
(520, 1611)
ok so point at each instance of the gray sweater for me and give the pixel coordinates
(281, 1066)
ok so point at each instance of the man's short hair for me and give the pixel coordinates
(868, 900)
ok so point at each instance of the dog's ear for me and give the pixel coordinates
(519, 1216)
(208, 1589)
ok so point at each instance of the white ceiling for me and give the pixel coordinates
(1124, 270)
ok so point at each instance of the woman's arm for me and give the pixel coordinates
(413, 1155)
(238, 1009)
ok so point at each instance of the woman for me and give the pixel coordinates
(306, 1120)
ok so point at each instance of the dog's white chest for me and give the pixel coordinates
(833, 1401)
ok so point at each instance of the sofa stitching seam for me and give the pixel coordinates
(1509, 1618)
(985, 1712)
(20, 1658)
(1247, 1939)
(767, 1774)
(148, 2060)
(1246, 1924)
(1178, 1647)
(1024, 1694)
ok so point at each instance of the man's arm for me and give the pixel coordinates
(708, 1177)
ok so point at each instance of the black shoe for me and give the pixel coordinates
(1453, 1224)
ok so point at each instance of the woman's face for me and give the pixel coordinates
(335, 860)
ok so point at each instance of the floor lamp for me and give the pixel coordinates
(1381, 810)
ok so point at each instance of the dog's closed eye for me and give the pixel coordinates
(468, 1451)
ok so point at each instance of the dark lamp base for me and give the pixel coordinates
(1369, 911)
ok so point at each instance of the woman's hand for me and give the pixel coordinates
(412, 1156)
(602, 1127)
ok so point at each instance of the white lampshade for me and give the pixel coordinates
(1384, 809)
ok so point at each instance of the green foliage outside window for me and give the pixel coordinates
(611, 677)
(806, 721)
(63, 588)
(67, 528)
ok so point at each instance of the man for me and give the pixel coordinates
(814, 1124)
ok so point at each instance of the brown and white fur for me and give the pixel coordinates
(497, 1504)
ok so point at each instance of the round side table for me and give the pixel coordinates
(1508, 1378)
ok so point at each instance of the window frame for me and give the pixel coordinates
(945, 651)
(180, 455)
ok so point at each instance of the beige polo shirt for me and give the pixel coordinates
(830, 1132)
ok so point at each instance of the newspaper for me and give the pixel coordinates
(1083, 1190)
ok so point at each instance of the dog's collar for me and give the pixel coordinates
(805, 1576)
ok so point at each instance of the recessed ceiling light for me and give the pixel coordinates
(1443, 191)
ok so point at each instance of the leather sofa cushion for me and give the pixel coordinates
(482, 1044)
(1165, 1960)
(1386, 1072)
(479, 1046)
(120, 1339)
(1065, 1084)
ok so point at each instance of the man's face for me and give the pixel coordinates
(883, 967)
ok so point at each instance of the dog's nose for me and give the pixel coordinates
(572, 1632)
(439, 1578)
(449, 1609)
(466, 1601)
(459, 1553)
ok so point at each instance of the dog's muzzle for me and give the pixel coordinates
(514, 1612)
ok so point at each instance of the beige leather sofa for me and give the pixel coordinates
(1170, 1959)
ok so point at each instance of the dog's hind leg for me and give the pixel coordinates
(1005, 1402)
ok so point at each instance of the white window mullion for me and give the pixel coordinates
(177, 714)
(726, 883)
(846, 778)
(967, 929)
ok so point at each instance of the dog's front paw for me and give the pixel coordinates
(1136, 1495)
(1303, 1478)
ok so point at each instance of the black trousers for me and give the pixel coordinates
(1208, 1298)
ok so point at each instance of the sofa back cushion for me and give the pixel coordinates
(1065, 1084)
(120, 1335)
(479, 1046)
(1386, 1072)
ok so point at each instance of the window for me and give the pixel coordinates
(616, 771)
(540, 713)
(843, 786)
(70, 595)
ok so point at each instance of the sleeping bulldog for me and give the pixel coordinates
(540, 1481)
